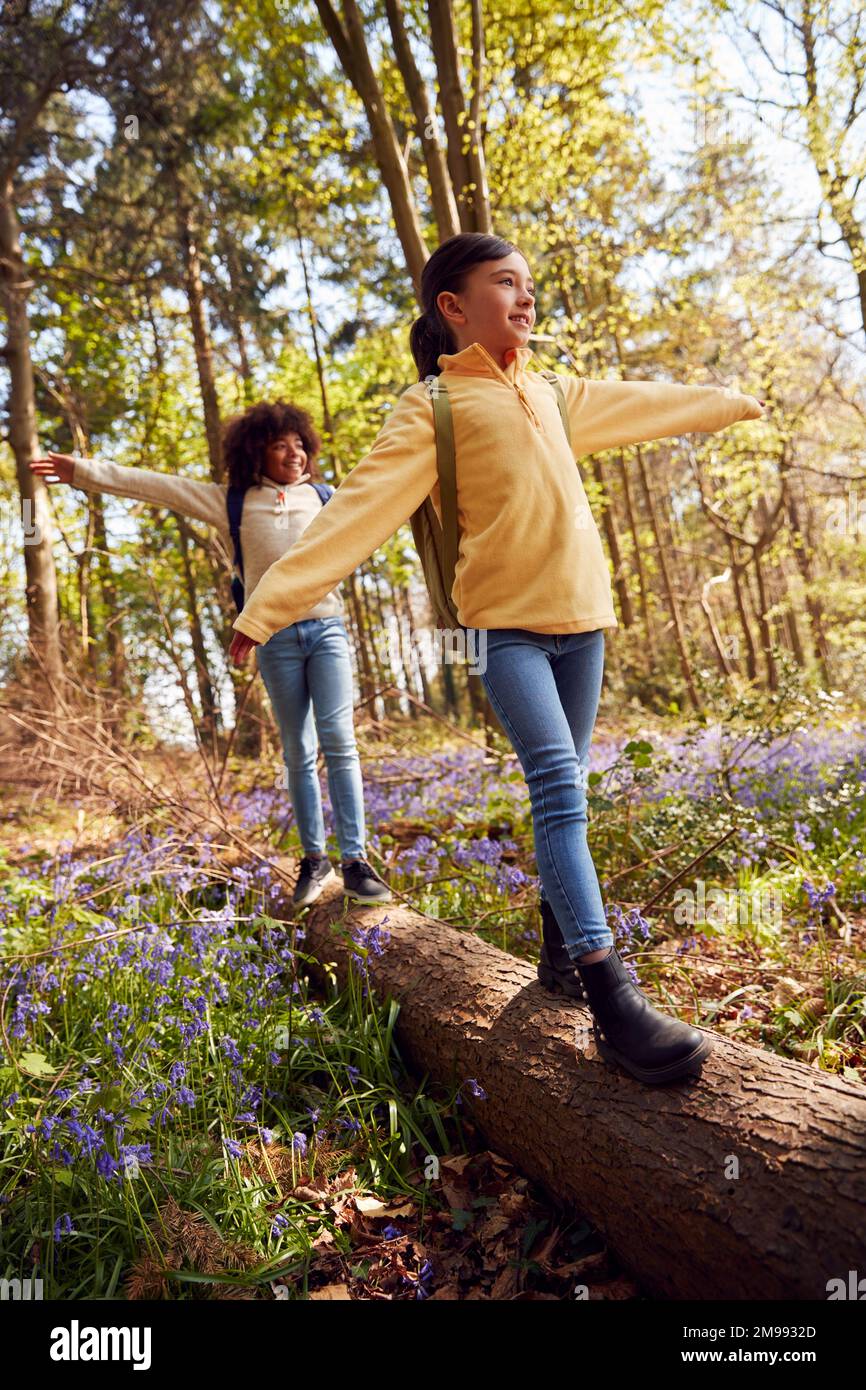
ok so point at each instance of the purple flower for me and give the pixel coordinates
(801, 835)
(106, 1166)
(63, 1226)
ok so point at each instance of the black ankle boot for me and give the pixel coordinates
(651, 1046)
(556, 969)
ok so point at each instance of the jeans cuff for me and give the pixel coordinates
(588, 947)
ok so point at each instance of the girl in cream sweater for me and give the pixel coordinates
(269, 453)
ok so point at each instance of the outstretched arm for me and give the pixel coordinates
(604, 414)
(380, 493)
(205, 501)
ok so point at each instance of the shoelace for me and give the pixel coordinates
(360, 864)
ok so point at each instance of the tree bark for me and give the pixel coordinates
(201, 335)
(745, 626)
(350, 45)
(652, 1167)
(441, 192)
(673, 602)
(639, 565)
(803, 557)
(204, 679)
(40, 575)
(462, 125)
(608, 521)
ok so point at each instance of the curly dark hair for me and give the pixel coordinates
(246, 436)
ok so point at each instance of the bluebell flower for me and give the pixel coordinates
(63, 1226)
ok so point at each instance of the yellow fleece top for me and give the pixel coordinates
(530, 554)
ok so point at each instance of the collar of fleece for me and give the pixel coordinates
(475, 360)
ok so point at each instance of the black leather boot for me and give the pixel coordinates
(651, 1046)
(556, 969)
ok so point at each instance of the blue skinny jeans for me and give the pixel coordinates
(544, 689)
(307, 670)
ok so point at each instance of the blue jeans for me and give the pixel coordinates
(307, 670)
(544, 689)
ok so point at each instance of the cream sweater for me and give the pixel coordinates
(530, 555)
(273, 519)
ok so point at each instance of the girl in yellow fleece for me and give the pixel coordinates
(531, 585)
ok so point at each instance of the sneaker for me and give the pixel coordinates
(363, 884)
(316, 871)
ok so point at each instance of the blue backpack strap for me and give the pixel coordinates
(234, 507)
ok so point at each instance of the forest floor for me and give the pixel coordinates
(184, 1116)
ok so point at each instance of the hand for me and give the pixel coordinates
(241, 647)
(54, 468)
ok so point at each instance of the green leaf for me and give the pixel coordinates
(36, 1064)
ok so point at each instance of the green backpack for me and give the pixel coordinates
(437, 545)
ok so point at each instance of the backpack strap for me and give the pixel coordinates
(560, 401)
(446, 463)
(235, 506)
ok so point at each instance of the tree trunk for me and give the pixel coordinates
(350, 45)
(745, 1183)
(40, 575)
(608, 521)
(639, 566)
(392, 702)
(366, 680)
(462, 126)
(404, 603)
(673, 603)
(766, 631)
(803, 558)
(745, 626)
(236, 318)
(201, 337)
(441, 192)
(199, 650)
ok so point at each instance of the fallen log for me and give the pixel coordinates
(748, 1182)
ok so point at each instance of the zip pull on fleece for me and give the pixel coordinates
(522, 396)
